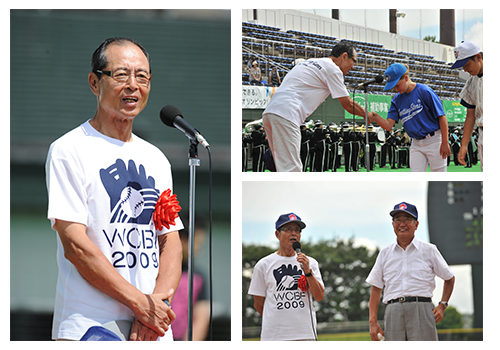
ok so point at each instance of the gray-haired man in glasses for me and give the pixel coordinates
(103, 183)
(407, 269)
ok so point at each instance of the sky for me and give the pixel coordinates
(345, 209)
(417, 23)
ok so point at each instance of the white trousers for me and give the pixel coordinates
(426, 152)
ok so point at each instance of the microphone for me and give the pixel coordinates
(296, 247)
(378, 79)
(172, 116)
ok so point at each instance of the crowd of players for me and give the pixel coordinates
(333, 147)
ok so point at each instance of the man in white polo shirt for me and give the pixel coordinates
(407, 268)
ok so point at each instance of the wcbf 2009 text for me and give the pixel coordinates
(130, 260)
(290, 299)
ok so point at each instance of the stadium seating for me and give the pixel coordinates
(274, 47)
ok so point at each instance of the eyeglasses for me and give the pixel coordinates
(122, 76)
(406, 220)
(291, 229)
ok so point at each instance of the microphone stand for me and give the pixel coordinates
(367, 145)
(193, 163)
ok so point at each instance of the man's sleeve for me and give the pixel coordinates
(441, 268)
(376, 277)
(467, 99)
(65, 187)
(258, 282)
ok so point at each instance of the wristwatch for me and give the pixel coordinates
(309, 274)
(445, 303)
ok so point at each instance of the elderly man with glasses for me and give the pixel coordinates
(283, 284)
(407, 268)
(116, 270)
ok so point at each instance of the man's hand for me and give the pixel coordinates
(140, 332)
(371, 117)
(304, 261)
(153, 314)
(439, 312)
(375, 329)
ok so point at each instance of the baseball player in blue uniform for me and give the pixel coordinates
(421, 112)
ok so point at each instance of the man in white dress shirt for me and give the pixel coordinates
(407, 268)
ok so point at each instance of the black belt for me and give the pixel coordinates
(409, 299)
(422, 138)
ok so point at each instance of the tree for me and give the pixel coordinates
(344, 269)
(431, 38)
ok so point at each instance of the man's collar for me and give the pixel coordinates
(415, 242)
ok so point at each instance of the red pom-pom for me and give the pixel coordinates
(166, 209)
(303, 283)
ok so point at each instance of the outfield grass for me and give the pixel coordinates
(452, 168)
(458, 334)
(359, 336)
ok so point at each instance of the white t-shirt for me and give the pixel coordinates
(288, 311)
(409, 272)
(111, 187)
(305, 87)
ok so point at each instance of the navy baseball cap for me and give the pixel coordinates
(290, 217)
(405, 208)
(393, 74)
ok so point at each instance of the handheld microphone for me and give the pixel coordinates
(378, 79)
(296, 247)
(172, 116)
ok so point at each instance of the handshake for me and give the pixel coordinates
(372, 117)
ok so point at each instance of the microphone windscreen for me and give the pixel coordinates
(168, 114)
(296, 245)
(379, 79)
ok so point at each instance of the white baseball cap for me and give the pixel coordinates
(463, 52)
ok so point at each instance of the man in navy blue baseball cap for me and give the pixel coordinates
(406, 270)
(286, 218)
(405, 208)
(283, 285)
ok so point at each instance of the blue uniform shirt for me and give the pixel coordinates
(418, 111)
